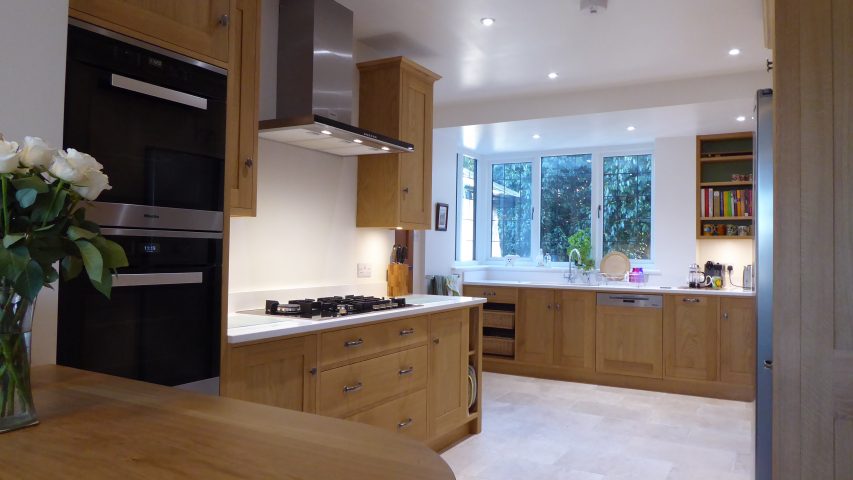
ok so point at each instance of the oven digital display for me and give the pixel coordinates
(151, 247)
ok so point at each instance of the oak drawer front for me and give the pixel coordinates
(354, 343)
(498, 319)
(406, 415)
(492, 294)
(344, 390)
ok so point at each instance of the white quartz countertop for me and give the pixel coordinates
(616, 287)
(255, 325)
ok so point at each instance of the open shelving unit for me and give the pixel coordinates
(718, 157)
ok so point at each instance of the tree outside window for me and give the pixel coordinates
(566, 202)
(512, 209)
(627, 222)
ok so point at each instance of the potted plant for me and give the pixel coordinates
(45, 234)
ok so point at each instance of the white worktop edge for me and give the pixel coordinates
(726, 292)
(291, 326)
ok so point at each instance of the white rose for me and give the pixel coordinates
(9, 156)
(73, 166)
(36, 153)
(92, 184)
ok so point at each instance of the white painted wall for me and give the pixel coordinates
(32, 88)
(674, 245)
(304, 235)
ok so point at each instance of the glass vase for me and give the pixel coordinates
(16, 397)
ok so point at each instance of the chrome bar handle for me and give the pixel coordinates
(353, 388)
(407, 331)
(406, 371)
(691, 300)
(157, 91)
(405, 423)
(354, 343)
(151, 279)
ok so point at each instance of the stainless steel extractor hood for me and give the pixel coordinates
(315, 83)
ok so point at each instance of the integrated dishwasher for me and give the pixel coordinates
(629, 334)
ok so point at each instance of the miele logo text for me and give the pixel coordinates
(150, 215)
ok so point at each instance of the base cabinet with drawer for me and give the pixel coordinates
(696, 344)
(408, 375)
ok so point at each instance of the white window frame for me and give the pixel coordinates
(459, 198)
(484, 199)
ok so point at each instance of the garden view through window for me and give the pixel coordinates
(593, 202)
(466, 208)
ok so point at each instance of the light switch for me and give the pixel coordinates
(365, 270)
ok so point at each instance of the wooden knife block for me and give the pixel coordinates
(398, 279)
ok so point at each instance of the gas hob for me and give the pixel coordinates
(331, 307)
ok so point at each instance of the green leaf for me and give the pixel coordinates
(50, 275)
(113, 253)
(33, 182)
(92, 260)
(47, 248)
(30, 281)
(26, 197)
(71, 267)
(16, 262)
(12, 239)
(76, 233)
(58, 205)
(106, 284)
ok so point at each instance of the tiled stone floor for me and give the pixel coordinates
(536, 429)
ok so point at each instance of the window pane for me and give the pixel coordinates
(466, 213)
(566, 202)
(628, 205)
(511, 209)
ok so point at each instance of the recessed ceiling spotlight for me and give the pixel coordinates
(734, 52)
(631, 128)
(487, 21)
(386, 148)
(325, 132)
(358, 140)
(741, 118)
(536, 136)
(553, 75)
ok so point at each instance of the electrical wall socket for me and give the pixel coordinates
(365, 270)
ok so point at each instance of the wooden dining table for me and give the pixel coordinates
(95, 426)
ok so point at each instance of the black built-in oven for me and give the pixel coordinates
(156, 121)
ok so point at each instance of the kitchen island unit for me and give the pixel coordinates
(97, 426)
(413, 370)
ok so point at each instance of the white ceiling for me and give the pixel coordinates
(606, 129)
(632, 42)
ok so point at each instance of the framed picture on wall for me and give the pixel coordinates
(441, 210)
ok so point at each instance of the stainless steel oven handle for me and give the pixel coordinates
(148, 279)
(138, 232)
(163, 93)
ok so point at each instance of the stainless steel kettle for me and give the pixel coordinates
(748, 278)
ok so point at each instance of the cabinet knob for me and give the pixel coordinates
(224, 20)
(406, 190)
(549, 306)
(726, 315)
(313, 371)
(435, 340)
(248, 163)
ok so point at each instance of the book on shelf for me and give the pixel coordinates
(726, 203)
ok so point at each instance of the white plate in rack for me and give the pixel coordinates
(615, 265)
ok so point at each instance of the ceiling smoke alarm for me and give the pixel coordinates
(593, 6)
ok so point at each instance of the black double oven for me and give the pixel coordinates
(156, 121)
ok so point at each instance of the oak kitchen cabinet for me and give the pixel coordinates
(196, 28)
(691, 336)
(737, 340)
(556, 327)
(395, 190)
(243, 105)
(448, 372)
(281, 373)
(408, 375)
